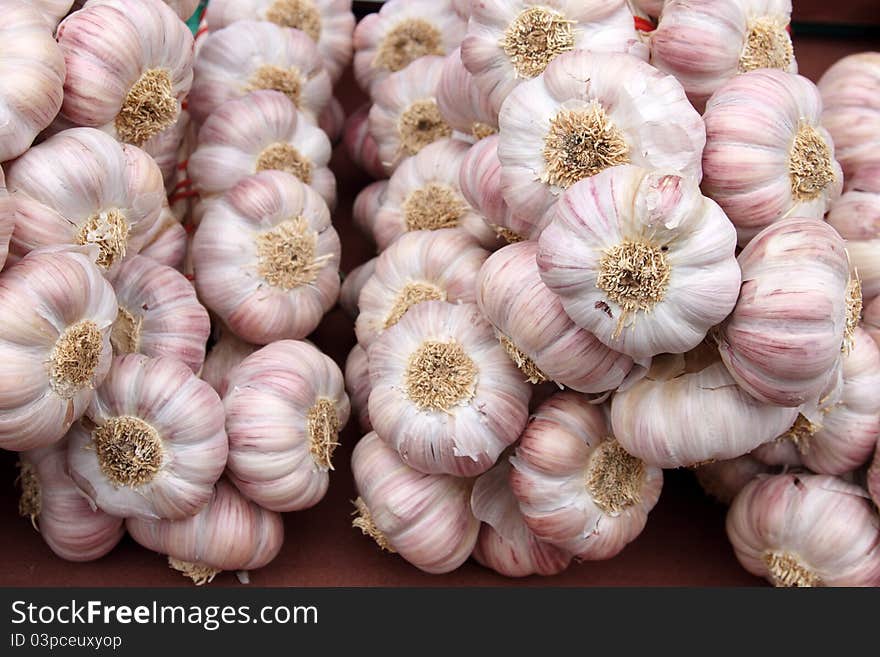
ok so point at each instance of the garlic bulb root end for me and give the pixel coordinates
(200, 574)
(364, 522)
(786, 569)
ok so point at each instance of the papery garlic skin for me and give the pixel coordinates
(57, 311)
(790, 322)
(462, 103)
(251, 55)
(767, 155)
(229, 533)
(166, 241)
(32, 69)
(641, 259)
(706, 43)
(71, 528)
(266, 258)
(577, 119)
(577, 487)
(226, 354)
(359, 144)
(7, 220)
(357, 385)
(352, 285)
(871, 319)
(445, 394)
(427, 519)
(806, 530)
(152, 443)
(367, 204)
(723, 480)
(263, 131)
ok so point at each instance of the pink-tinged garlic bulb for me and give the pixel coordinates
(352, 285)
(266, 258)
(511, 41)
(462, 103)
(767, 156)
(329, 23)
(226, 354)
(535, 330)
(252, 55)
(641, 259)
(230, 533)
(797, 310)
(57, 311)
(723, 480)
(49, 498)
(359, 144)
(391, 39)
(445, 394)
(852, 110)
(159, 314)
(32, 70)
(357, 385)
(134, 97)
(705, 43)
(367, 204)
(577, 487)
(506, 544)
(262, 131)
(166, 241)
(285, 406)
(421, 266)
(424, 195)
(577, 119)
(426, 519)
(7, 220)
(806, 530)
(83, 187)
(332, 120)
(52, 10)
(871, 319)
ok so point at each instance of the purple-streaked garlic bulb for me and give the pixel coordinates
(226, 354)
(359, 144)
(84, 187)
(367, 204)
(357, 385)
(509, 41)
(71, 528)
(57, 311)
(723, 480)
(797, 310)
(577, 119)
(352, 284)
(285, 406)
(152, 443)
(577, 487)
(391, 39)
(462, 103)
(641, 259)
(332, 120)
(871, 319)
(806, 530)
(266, 258)
(7, 220)
(251, 55)
(535, 330)
(167, 240)
(426, 519)
(704, 43)
(767, 156)
(445, 394)
(229, 533)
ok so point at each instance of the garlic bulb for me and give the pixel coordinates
(534, 329)
(329, 23)
(577, 487)
(332, 120)
(167, 240)
(426, 519)
(71, 528)
(159, 314)
(152, 442)
(134, 97)
(183, 8)
(285, 405)
(653, 419)
(424, 194)
(266, 258)
(52, 10)
(705, 43)
(506, 544)
(32, 70)
(577, 119)
(462, 104)
(226, 354)
(797, 309)
(262, 131)
(7, 220)
(852, 109)
(366, 206)
(723, 480)
(252, 55)
(360, 146)
(767, 156)
(83, 187)
(445, 394)
(641, 259)
(806, 530)
(439, 265)
(57, 310)
(352, 285)
(391, 39)
(357, 385)
(871, 319)
(509, 41)
(230, 533)
(651, 8)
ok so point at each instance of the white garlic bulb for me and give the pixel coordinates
(641, 259)
(57, 311)
(352, 284)
(228, 351)
(166, 241)
(462, 103)
(52, 10)
(152, 442)
(367, 204)
(359, 144)
(871, 319)
(426, 519)
(7, 220)
(444, 393)
(357, 385)
(723, 480)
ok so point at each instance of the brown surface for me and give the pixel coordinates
(849, 12)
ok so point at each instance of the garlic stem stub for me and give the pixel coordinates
(352, 284)
(7, 220)
(462, 103)
(225, 355)
(357, 385)
(723, 480)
